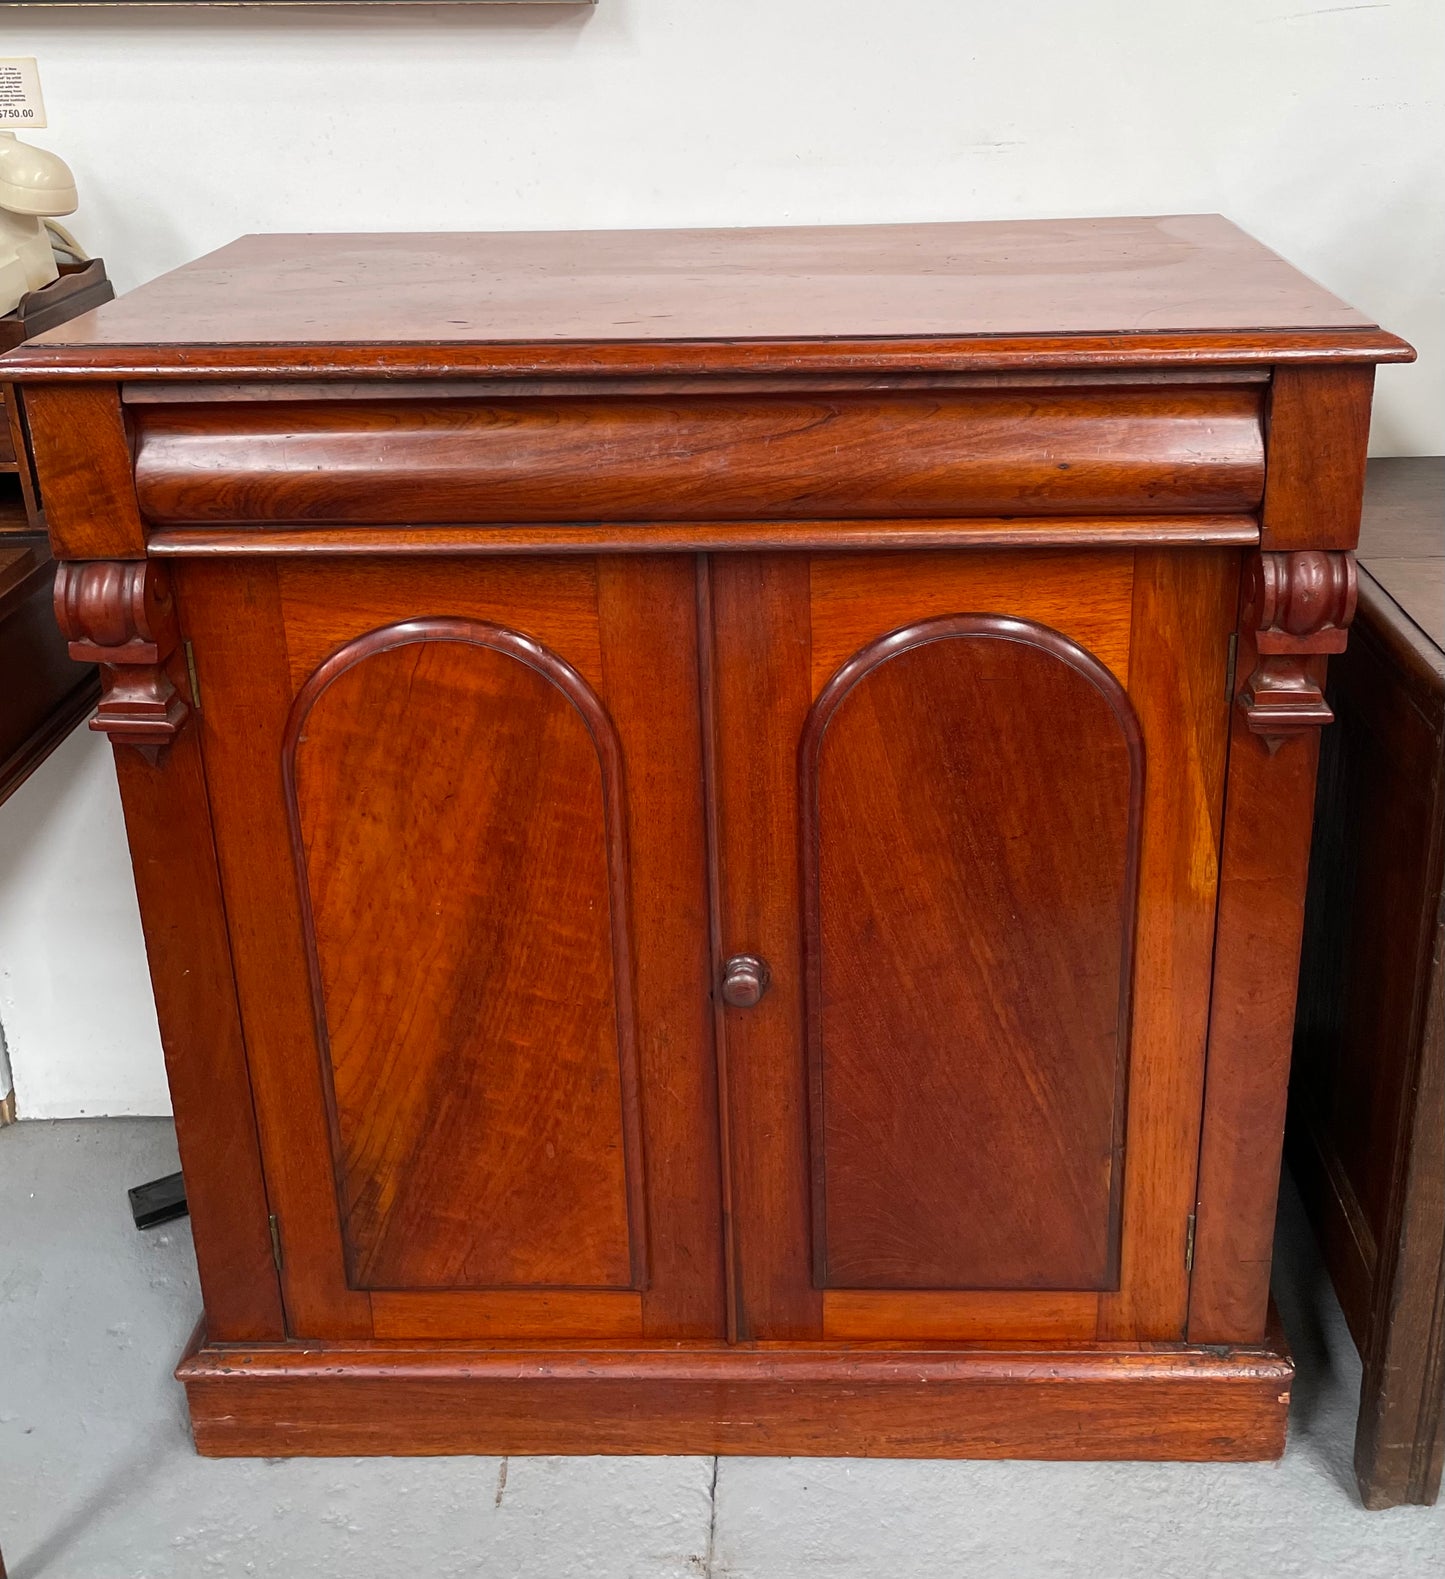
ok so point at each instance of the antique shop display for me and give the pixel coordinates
(721, 819)
(1367, 1105)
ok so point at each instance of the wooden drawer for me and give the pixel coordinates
(693, 458)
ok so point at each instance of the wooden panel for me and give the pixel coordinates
(984, 453)
(168, 823)
(857, 597)
(757, 630)
(83, 462)
(647, 625)
(1184, 613)
(234, 618)
(1034, 1403)
(1366, 1130)
(971, 791)
(1003, 277)
(1182, 607)
(472, 960)
(532, 595)
(1319, 428)
(552, 1315)
(928, 1317)
(628, 629)
(1269, 800)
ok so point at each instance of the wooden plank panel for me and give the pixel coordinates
(168, 824)
(759, 679)
(83, 462)
(471, 960)
(1319, 429)
(857, 597)
(927, 1316)
(971, 794)
(647, 619)
(1269, 802)
(326, 602)
(551, 1314)
(234, 618)
(1184, 608)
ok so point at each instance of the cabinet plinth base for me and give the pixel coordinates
(1118, 1403)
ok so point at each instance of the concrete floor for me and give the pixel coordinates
(98, 1480)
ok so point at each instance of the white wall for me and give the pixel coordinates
(75, 995)
(1316, 126)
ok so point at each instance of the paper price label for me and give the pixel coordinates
(20, 101)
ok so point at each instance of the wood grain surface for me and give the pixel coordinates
(825, 1400)
(1366, 1132)
(894, 455)
(472, 960)
(1185, 272)
(971, 789)
(1060, 293)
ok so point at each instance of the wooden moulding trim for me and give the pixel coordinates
(1025, 1403)
(703, 1363)
(661, 357)
(559, 673)
(711, 536)
(1299, 607)
(119, 613)
(214, 392)
(956, 627)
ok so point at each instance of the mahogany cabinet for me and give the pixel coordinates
(721, 820)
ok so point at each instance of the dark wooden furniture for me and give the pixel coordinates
(712, 877)
(1367, 1107)
(43, 696)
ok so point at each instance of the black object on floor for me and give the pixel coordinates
(159, 1201)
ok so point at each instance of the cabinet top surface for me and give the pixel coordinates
(1401, 540)
(1082, 291)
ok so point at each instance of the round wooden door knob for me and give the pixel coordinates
(745, 979)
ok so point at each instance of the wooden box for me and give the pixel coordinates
(721, 820)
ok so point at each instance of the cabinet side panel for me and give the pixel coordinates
(971, 793)
(458, 823)
(1265, 862)
(168, 824)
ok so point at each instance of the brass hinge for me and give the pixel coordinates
(191, 676)
(1188, 1243)
(1229, 664)
(275, 1242)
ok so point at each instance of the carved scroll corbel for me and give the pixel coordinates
(1299, 607)
(119, 614)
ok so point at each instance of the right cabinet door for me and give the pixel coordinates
(968, 814)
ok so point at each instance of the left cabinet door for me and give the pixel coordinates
(459, 819)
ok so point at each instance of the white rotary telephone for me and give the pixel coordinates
(35, 185)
